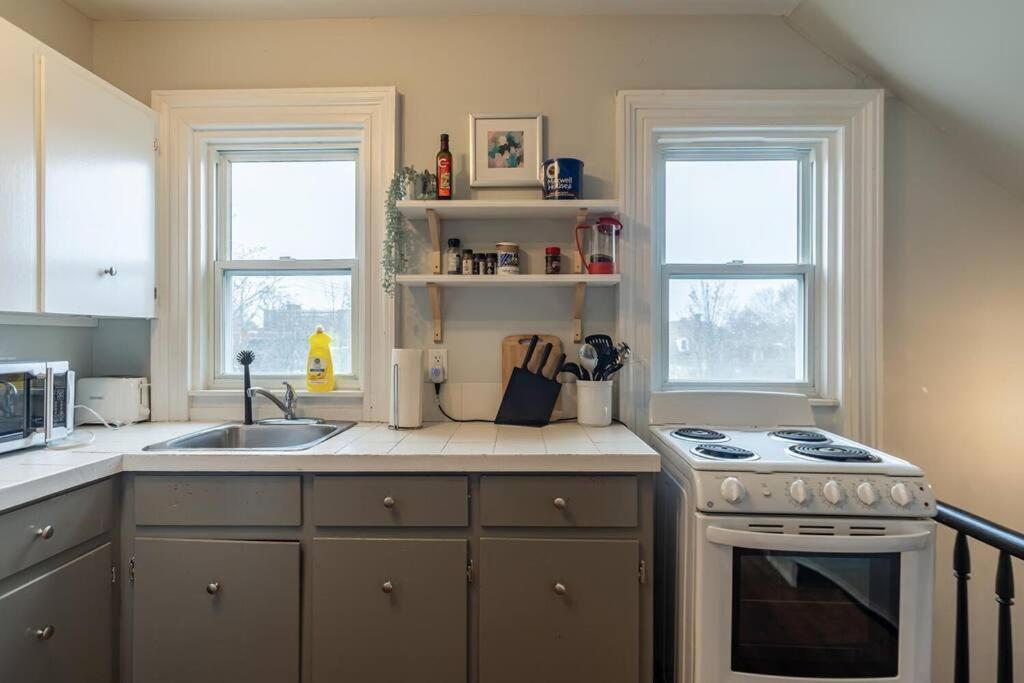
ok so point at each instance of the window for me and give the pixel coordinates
(739, 241)
(287, 236)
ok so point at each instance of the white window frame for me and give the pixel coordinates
(193, 126)
(222, 158)
(808, 270)
(847, 125)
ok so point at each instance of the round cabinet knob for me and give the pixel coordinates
(867, 493)
(213, 588)
(798, 491)
(901, 495)
(389, 502)
(832, 491)
(45, 532)
(387, 587)
(44, 633)
(733, 490)
(560, 588)
(560, 503)
(111, 271)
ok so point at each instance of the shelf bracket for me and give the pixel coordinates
(434, 221)
(577, 312)
(435, 307)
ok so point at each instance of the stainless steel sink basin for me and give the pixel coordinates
(257, 437)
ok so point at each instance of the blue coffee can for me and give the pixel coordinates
(563, 178)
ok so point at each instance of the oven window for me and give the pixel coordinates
(815, 615)
(13, 406)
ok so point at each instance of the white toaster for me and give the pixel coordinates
(118, 400)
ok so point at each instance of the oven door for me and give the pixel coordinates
(843, 600)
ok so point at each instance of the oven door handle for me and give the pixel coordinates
(798, 543)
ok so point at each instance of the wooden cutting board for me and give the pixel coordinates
(513, 348)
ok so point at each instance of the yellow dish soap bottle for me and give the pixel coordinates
(319, 366)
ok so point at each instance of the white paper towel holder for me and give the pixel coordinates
(406, 409)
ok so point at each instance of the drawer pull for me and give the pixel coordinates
(111, 271)
(44, 633)
(389, 502)
(560, 503)
(560, 588)
(213, 588)
(387, 587)
(45, 532)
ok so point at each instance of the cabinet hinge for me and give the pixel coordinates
(113, 573)
(154, 294)
(469, 572)
(156, 145)
(131, 569)
(643, 571)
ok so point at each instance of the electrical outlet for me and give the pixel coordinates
(437, 358)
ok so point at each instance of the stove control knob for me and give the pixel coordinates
(901, 495)
(798, 491)
(833, 492)
(733, 490)
(867, 493)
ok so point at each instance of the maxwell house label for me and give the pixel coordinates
(563, 178)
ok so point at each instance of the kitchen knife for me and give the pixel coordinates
(543, 358)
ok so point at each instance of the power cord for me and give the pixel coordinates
(73, 441)
(437, 393)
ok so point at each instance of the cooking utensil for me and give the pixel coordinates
(576, 370)
(530, 397)
(588, 358)
(606, 373)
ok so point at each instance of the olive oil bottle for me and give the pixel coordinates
(444, 170)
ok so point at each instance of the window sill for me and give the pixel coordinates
(339, 396)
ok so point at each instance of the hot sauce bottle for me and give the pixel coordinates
(444, 170)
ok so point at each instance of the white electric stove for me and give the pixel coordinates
(786, 552)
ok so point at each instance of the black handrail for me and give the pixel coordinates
(1010, 544)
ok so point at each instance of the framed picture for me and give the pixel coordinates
(505, 150)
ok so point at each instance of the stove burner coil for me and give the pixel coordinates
(722, 452)
(834, 453)
(699, 434)
(800, 435)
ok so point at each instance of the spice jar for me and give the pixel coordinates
(467, 262)
(452, 258)
(491, 264)
(508, 258)
(552, 261)
(478, 264)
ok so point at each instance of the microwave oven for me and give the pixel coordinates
(36, 403)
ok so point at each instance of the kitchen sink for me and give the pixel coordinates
(257, 437)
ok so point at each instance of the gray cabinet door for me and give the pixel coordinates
(553, 611)
(389, 610)
(59, 627)
(216, 611)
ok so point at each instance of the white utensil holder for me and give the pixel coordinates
(594, 402)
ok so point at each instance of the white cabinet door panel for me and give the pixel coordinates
(99, 197)
(18, 252)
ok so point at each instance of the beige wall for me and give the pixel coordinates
(954, 352)
(58, 25)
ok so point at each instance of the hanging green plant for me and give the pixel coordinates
(395, 259)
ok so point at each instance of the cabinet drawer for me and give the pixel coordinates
(390, 501)
(213, 611)
(389, 610)
(59, 627)
(553, 611)
(41, 530)
(215, 500)
(558, 501)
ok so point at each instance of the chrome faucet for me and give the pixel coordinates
(287, 406)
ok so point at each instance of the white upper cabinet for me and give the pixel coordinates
(18, 258)
(99, 196)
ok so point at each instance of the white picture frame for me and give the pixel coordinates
(515, 167)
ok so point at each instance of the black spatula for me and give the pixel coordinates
(529, 397)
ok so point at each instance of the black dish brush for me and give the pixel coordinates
(245, 359)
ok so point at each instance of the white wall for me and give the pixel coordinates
(60, 26)
(954, 353)
(567, 68)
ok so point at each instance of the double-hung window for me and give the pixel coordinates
(740, 244)
(287, 235)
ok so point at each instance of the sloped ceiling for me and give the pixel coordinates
(110, 10)
(958, 62)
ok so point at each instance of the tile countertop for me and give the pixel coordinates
(367, 447)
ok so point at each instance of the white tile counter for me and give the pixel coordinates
(366, 447)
